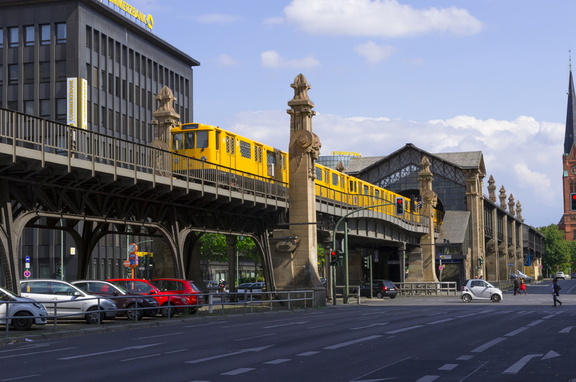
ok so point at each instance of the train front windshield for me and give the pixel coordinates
(190, 140)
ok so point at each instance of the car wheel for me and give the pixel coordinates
(495, 298)
(22, 321)
(167, 311)
(134, 314)
(94, 317)
(379, 295)
(466, 298)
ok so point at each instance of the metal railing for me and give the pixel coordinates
(443, 288)
(206, 304)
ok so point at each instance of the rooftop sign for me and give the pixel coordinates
(140, 17)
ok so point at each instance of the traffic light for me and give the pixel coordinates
(367, 262)
(336, 257)
(573, 202)
(399, 206)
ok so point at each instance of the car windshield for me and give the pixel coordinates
(6, 295)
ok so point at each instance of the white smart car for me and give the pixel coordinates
(19, 312)
(478, 289)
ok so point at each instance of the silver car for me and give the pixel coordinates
(63, 299)
(20, 312)
(478, 289)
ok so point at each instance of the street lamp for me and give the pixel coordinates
(346, 280)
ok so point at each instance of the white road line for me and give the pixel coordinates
(428, 378)
(520, 364)
(126, 349)
(566, 329)
(251, 338)
(439, 321)
(347, 343)
(464, 358)
(404, 329)
(534, 323)
(487, 345)
(242, 370)
(21, 377)
(160, 335)
(229, 354)
(277, 361)
(35, 352)
(307, 353)
(288, 324)
(514, 332)
(448, 366)
(369, 326)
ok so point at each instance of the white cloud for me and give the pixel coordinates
(226, 60)
(377, 18)
(515, 153)
(271, 21)
(272, 59)
(374, 53)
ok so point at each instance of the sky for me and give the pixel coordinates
(444, 75)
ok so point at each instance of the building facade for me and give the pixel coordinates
(93, 64)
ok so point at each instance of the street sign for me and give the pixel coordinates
(27, 274)
(27, 259)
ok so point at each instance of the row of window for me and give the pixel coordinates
(30, 72)
(30, 34)
(135, 61)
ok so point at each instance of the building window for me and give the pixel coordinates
(95, 77)
(96, 42)
(103, 45)
(88, 37)
(1, 76)
(61, 109)
(45, 71)
(60, 33)
(29, 107)
(95, 114)
(103, 81)
(103, 116)
(1, 38)
(13, 37)
(45, 108)
(29, 73)
(45, 34)
(13, 74)
(29, 35)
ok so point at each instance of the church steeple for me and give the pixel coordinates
(570, 115)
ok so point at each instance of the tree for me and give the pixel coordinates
(559, 253)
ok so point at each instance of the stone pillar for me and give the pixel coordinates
(423, 262)
(232, 267)
(475, 203)
(295, 251)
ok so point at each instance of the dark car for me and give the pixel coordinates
(134, 306)
(186, 288)
(380, 289)
(169, 302)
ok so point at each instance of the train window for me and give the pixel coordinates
(201, 139)
(188, 141)
(319, 174)
(258, 154)
(366, 192)
(217, 140)
(245, 150)
(270, 158)
(177, 141)
(335, 179)
(377, 193)
(230, 145)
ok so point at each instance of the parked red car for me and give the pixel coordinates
(186, 288)
(169, 302)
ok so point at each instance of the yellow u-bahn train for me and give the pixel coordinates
(223, 148)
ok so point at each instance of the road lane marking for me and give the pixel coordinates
(21, 377)
(448, 366)
(288, 324)
(534, 323)
(520, 364)
(242, 370)
(159, 335)
(404, 329)
(487, 345)
(347, 343)
(514, 332)
(369, 326)
(153, 355)
(428, 378)
(464, 358)
(550, 354)
(307, 353)
(566, 329)
(277, 361)
(229, 354)
(109, 351)
(439, 321)
(251, 338)
(35, 352)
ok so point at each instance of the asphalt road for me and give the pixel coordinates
(522, 338)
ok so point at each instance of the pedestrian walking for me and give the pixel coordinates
(523, 286)
(556, 291)
(516, 286)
